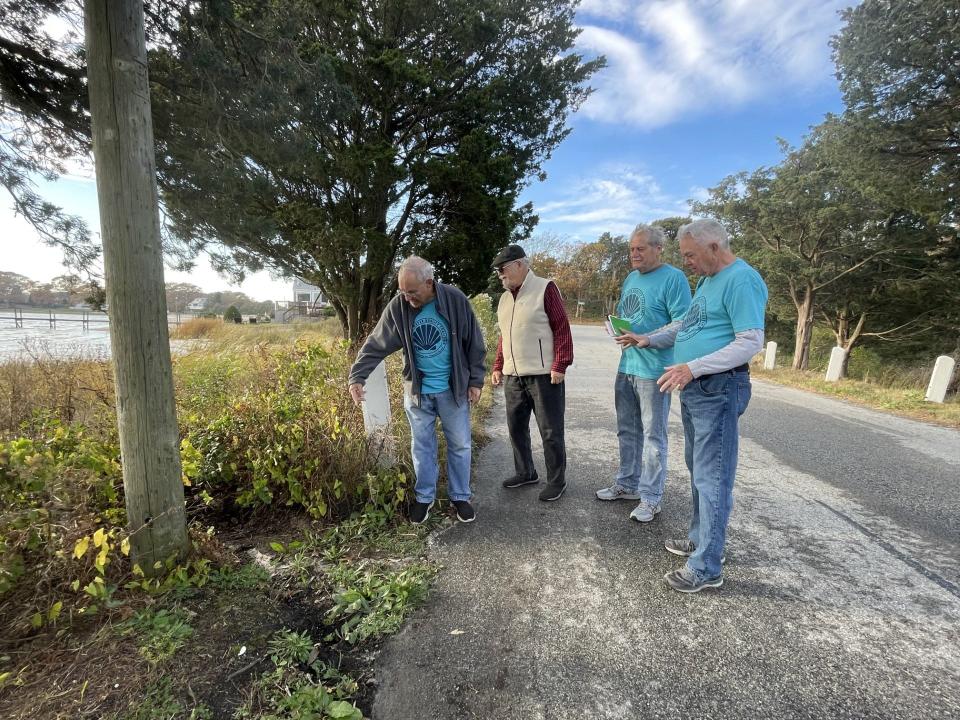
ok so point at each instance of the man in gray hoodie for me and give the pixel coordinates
(443, 371)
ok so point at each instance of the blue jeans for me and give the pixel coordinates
(642, 412)
(455, 422)
(711, 407)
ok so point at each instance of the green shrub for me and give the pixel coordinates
(487, 316)
(261, 426)
(292, 439)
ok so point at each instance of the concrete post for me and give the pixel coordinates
(836, 364)
(940, 380)
(376, 414)
(770, 359)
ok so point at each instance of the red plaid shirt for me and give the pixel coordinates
(559, 325)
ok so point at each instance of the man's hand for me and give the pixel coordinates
(496, 378)
(676, 377)
(473, 395)
(555, 377)
(357, 392)
(630, 339)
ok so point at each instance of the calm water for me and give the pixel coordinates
(68, 339)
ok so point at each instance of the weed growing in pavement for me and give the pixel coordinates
(371, 602)
(159, 633)
(289, 648)
(300, 685)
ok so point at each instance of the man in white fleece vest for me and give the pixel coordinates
(533, 354)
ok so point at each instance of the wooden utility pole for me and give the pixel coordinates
(130, 227)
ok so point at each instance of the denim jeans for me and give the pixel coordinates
(455, 422)
(642, 412)
(535, 393)
(711, 407)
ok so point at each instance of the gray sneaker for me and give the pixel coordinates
(685, 548)
(617, 492)
(684, 581)
(644, 512)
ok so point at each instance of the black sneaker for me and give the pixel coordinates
(419, 512)
(552, 492)
(465, 511)
(517, 481)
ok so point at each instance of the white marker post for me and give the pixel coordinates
(940, 380)
(837, 356)
(770, 359)
(376, 415)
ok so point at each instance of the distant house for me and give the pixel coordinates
(197, 304)
(304, 292)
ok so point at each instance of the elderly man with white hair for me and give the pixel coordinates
(443, 369)
(712, 348)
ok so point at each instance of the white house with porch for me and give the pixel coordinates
(197, 304)
(304, 292)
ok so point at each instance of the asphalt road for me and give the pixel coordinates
(841, 595)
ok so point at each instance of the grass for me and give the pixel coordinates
(302, 561)
(903, 401)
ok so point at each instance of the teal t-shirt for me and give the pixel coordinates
(724, 304)
(431, 348)
(650, 301)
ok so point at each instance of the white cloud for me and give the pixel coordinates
(614, 200)
(669, 58)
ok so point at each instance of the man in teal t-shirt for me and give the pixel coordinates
(712, 348)
(653, 295)
(431, 349)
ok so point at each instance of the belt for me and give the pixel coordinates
(740, 368)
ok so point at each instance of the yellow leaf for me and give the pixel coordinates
(81, 547)
(138, 571)
(125, 546)
(101, 560)
(186, 481)
(36, 620)
(54, 612)
(98, 537)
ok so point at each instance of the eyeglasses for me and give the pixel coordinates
(500, 270)
(407, 293)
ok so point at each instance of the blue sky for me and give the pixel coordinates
(693, 91)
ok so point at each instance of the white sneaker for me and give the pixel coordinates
(644, 512)
(617, 492)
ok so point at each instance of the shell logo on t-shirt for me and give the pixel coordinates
(429, 337)
(694, 320)
(632, 305)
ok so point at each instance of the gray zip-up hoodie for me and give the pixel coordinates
(394, 331)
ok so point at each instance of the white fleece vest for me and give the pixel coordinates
(525, 329)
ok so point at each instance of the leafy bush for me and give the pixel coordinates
(292, 439)
(261, 427)
(487, 316)
(232, 314)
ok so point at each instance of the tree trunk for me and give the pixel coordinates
(804, 330)
(847, 338)
(130, 225)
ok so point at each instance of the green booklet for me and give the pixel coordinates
(619, 325)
